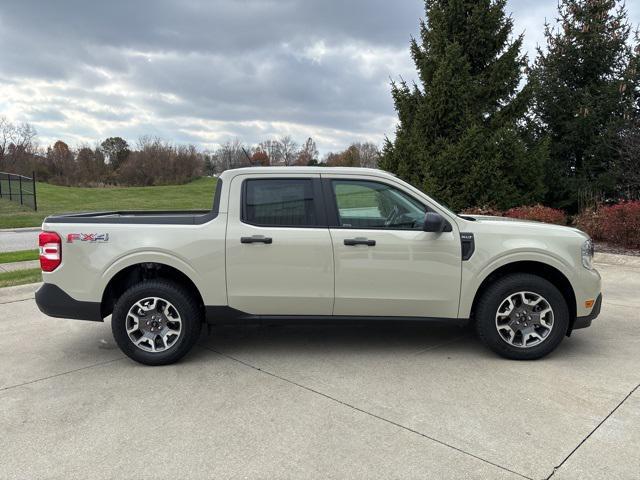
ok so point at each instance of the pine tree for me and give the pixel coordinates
(587, 85)
(463, 135)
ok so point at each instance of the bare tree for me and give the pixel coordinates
(7, 135)
(270, 147)
(308, 155)
(17, 146)
(288, 150)
(26, 135)
(231, 155)
(368, 153)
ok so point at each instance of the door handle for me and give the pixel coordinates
(256, 239)
(359, 241)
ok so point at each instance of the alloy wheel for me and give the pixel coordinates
(153, 324)
(524, 319)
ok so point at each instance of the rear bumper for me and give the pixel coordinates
(584, 322)
(53, 301)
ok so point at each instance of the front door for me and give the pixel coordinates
(385, 265)
(279, 254)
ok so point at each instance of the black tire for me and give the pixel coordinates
(184, 303)
(488, 304)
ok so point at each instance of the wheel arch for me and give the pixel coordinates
(138, 272)
(541, 269)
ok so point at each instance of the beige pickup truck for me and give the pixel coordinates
(314, 243)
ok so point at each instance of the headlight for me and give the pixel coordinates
(587, 254)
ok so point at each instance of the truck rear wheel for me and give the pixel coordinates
(522, 317)
(156, 322)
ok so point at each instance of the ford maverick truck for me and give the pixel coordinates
(313, 243)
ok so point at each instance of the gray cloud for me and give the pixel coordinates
(206, 71)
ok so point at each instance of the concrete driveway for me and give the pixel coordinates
(370, 401)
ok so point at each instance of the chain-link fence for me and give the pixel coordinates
(18, 188)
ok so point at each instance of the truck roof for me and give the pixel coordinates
(275, 170)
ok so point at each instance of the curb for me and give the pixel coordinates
(616, 259)
(18, 293)
(20, 229)
(15, 266)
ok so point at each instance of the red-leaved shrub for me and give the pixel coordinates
(621, 224)
(618, 224)
(482, 211)
(538, 213)
(590, 222)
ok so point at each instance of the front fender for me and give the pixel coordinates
(474, 273)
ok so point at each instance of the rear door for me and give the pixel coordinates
(385, 264)
(279, 254)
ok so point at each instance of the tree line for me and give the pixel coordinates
(285, 151)
(153, 161)
(485, 127)
(113, 162)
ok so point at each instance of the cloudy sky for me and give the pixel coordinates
(207, 71)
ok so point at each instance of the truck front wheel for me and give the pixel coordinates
(522, 317)
(156, 322)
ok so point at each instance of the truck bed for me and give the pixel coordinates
(180, 217)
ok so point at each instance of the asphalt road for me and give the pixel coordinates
(370, 401)
(19, 239)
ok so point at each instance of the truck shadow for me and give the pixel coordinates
(382, 338)
(321, 338)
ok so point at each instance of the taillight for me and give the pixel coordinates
(50, 251)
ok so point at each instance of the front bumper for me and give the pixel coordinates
(55, 302)
(584, 322)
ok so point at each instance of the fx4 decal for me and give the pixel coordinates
(87, 237)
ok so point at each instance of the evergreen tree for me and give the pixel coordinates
(117, 151)
(586, 85)
(462, 133)
(209, 168)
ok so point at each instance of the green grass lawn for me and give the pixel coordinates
(19, 256)
(197, 195)
(20, 277)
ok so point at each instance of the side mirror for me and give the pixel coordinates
(434, 222)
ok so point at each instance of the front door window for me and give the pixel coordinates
(373, 205)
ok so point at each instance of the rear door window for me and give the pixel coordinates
(285, 202)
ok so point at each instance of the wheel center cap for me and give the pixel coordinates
(155, 324)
